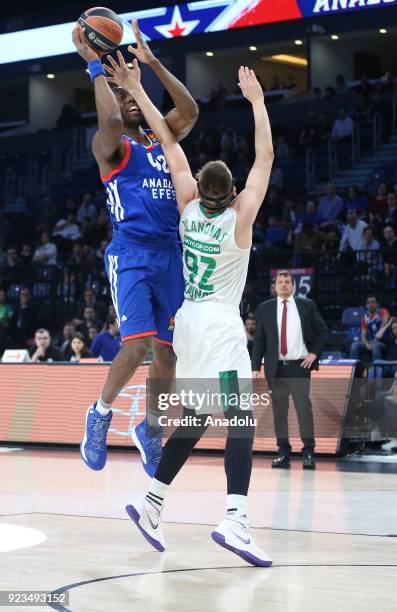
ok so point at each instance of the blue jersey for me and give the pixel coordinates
(141, 197)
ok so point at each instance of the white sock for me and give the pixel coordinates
(156, 493)
(103, 408)
(236, 506)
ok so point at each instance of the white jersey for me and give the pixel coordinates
(214, 267)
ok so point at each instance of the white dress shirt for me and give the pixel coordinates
(295, 344)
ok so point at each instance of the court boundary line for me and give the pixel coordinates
(67, 588)
(115, 518)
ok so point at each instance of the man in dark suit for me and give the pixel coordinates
(290, 335)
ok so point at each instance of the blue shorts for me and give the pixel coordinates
(147, 289)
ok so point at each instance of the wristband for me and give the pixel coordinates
(95, 68)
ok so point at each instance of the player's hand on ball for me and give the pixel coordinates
(249, 84)
(142, 50)
(82, 46)
(121, 75)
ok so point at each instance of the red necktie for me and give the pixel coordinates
(283, 346)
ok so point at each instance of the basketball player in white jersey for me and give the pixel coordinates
(209, 339)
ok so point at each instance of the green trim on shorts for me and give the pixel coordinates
(228, 381)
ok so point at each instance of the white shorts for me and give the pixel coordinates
(211, 349)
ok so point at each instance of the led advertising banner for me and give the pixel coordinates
(181, 20)
(47, 403)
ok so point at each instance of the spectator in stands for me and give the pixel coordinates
(309, 134)
(390, 254)
(281, 149)
(250, 328)
(79, 348)
(369, 256)
(92, 333)
(309, 239)
(273, 202)
(317, 94)
(360, 113)
(355, 201)
(387, 334)
(12, 258)
(249, 301)
(332, 241)
(341, 89)
(100, 255)
(70, 206)
(290, 215)
(99, 230)
(331, 205)
(275, 234)
(43, 350)
(25, 318)
(391, 213)
(374, 318)
(87, 211)
(90, 301)
(343, 127)
(5, 229)
(90, 320)
(276, 178)
(26, 254)
(364, 88)
(5, 341)
(48, 215)
(378, 206)
(67, 228)
(76, 254)
(329, 92)
(241, 167)
(67, 334)
(46, 252)
(107, 344)
(353, 232)
(310, 214)
(323, 129)
(6, 311)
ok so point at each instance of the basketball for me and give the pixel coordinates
(103, 28)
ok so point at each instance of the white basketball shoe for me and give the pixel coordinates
(234, 535)
(148, 520)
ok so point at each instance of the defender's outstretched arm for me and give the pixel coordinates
(184, 183)
(251, 198)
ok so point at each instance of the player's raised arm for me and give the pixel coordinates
(250, 199)
(182, 118)
(107, 139)
(184, 183)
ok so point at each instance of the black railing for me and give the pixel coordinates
(334, 279)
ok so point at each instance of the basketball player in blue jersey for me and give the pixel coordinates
(143, 261)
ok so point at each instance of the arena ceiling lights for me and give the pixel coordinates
(180, 20)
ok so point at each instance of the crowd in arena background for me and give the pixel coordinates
(291, 227)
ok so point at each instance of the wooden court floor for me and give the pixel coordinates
(63, 528)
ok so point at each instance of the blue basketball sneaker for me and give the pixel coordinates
(148, 439)
(93, 447)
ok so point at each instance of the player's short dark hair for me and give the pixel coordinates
(285, 273)
(215, 179)
(110, 320)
